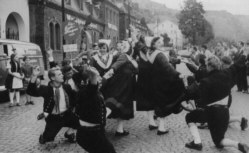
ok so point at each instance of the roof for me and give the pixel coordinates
(10, 41)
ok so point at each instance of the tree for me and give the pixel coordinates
(193, 24)
(166, 39)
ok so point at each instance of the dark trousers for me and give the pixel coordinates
(94, 140)
(216, 116)
(242, 78)
(54, 123)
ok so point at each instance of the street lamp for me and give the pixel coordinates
(63, 22)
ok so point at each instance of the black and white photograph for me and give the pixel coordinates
(124, 76)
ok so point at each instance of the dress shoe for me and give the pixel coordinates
(41, 139)
(243, 148)
(244, 123)
(162, 132)
(152, 127)
(192, 145)
(11, 105)
(18, 104)
(121, 134)
(70, 137)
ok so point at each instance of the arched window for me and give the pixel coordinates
(51, 34)
(57, 36)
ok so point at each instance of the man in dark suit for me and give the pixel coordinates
(59, 98)
(214, 91)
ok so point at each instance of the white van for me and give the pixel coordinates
(22, 49)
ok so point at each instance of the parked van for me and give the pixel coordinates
(22, 49)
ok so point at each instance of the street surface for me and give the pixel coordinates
(20, 130)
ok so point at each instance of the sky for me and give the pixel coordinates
(238, 7)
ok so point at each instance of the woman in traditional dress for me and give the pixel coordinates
(103, 60)
(143, 86)
(14, 80)
(119, 90)
(166, 84)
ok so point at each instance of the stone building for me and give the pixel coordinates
(14, 20)
(110, 16)
(47, 26)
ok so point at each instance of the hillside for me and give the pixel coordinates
(225, 24)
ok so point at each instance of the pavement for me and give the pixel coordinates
(20, 130)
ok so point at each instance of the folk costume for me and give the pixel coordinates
(57, 104)
(91, 112)
(143, 86)
(120, 88)
(102, 63)
(16, 69)
(166, 84)
(214, 91)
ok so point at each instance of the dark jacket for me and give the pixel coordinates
(90, 105)
(47, 93)
(199, 73)
(217, 85)
(166, 85)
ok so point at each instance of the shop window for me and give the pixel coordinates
(58, 36)
(51, 35)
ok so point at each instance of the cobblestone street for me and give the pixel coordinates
(20, 132)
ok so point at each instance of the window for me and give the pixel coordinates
(81, 5)
(114, 18)
(97, 12)
(51, 37)
(58, 36)
(106, 14)
(88, 6)
(54, 36)
(109, 17)
(68, 2)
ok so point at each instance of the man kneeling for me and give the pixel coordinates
(214, 91)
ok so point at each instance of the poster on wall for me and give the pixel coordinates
(74, 33)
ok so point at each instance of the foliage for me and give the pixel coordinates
(193, 24)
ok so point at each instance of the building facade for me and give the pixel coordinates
(172, 29)
(127, 18)
(48, 28)
(110, 16)
(14, 20)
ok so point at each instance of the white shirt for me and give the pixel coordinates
(221, 102)
(62, 102)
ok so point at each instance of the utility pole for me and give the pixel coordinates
(129, 17)
(63, 26)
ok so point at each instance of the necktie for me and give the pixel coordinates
(57, 99)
